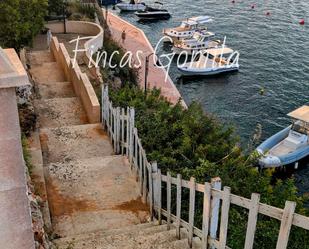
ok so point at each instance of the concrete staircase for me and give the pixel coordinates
(90, 191)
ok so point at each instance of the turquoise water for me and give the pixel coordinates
(274, 55)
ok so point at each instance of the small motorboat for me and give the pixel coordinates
(211, 61)
(153, 13)
(187, 28)
(201, 40)
(133, 5)
(289, 145)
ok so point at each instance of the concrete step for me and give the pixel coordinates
(74, 142)
(177, 244)
(148, 227)
(86, 195)
(55, 90)
(60, 112)
(144, 239)
(47, 72)
(38, 57)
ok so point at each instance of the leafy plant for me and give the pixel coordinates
(26, 153)
(20, 21)
(192, 143)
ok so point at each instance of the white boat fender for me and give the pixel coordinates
(296, 165)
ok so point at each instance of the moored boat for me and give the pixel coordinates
(187, 28)
(201, 40)
(133, 5)
(153, 13)
(289, 145)
(212, 61)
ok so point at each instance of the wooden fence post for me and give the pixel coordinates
(224, 221)
(145, 163)
(191, 210)
(215, 206)
(286, 224)
(122, 130)
(128, 133)
(149, 168)
(140, 173)
(135, 150)
(155, 185)
(131, 129)
(252, 219)
(178, 206)
(206, 214)
(103, 106)
(118, 129)
(159, 181)
(168, 199)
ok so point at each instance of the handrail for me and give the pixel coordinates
(120, 126)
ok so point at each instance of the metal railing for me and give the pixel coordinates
(120, 125)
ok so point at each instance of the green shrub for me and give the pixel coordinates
(76, 8)
(127, 74)
(192, 143)
(21, 21)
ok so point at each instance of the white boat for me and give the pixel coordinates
(289, 145)
(201, 40)
(211, 62)
(132, 6)
(187, 28)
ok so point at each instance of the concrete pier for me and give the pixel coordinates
(136, 40)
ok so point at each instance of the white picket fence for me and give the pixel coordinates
(120, 125)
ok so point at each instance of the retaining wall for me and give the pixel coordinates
(85, 29)
(80, 81)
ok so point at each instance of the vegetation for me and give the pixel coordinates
(80, 12)
(192, 143)
(126, 74)
(20, 21)
(26, 154)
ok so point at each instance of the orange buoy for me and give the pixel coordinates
(252, 6)
(267, 13)
(302, 22)
(233, 1)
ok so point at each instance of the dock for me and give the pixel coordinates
(136, 40)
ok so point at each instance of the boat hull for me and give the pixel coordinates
(206, 72)
(153, 16)
(268, 160)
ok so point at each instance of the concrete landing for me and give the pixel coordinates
(55, 90)
(47, 72)
(39, 57)
(58, 112)
(74, 142)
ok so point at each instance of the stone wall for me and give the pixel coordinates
(86, 29)
(80, 81)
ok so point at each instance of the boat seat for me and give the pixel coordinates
(223, 62)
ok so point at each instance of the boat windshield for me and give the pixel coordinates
(196, 36)
(301, 127)
(185, 25)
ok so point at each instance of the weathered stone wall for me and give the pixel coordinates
(80, 81)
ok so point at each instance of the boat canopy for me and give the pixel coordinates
(199, 20)
(301, 114)
(218, 51)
